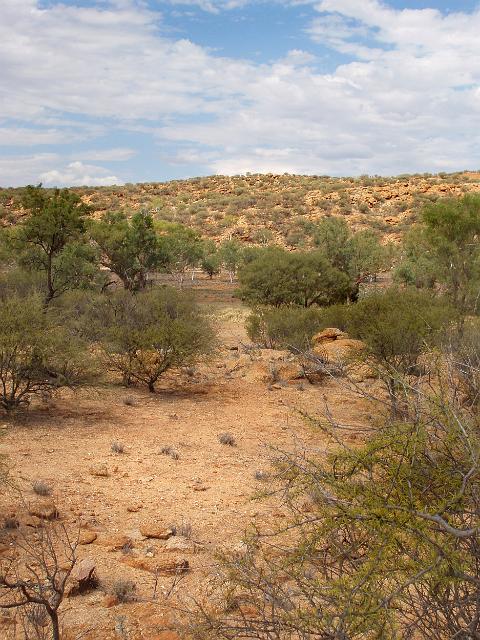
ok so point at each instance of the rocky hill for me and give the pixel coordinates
(274, 208)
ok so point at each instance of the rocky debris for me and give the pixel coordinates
(157, 566)
(86, 537)
(152, 529)
(100, 470)
(328, 335)
(43, 508)
(134, 507)
(115, 542)
(179, 543)
(83, 577)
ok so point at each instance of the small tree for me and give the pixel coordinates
(183, 247)
(211, 264)
(231, 255)
(276, 277)
(129, 248)
(37, 355)
(450, 233)
(34, 583)
(51, 239)
(147, 334)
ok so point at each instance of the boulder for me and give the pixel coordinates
(86, 537)
(157, 566)
(83, 577)
(115, 542)
(328, 335)
(152, 529)
(100, 470)
(179, 543)
(43, 508)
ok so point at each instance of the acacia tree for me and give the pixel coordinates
(450, 235)
(51, 239)
(183, 248)
(129, 247)
(231, 255)
(359, 254)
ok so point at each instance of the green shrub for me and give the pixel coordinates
(144, 335)
(37, 354)
(276, 277)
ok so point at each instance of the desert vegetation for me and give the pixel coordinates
(363, 337)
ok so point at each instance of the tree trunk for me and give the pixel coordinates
(55, 625)
(50, 289)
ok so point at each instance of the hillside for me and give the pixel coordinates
(278, 208)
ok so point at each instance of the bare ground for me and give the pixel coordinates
(210, 486)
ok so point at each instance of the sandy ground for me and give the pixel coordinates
(209, 487)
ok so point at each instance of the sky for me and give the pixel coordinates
(101, 92)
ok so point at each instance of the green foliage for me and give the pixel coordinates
(37, 354)
(450, 235)
(397, 326)
(129, 248)
(144, 335)
(380, 540)
(182, 246)
(360, 254)
(211, 263)
(276, 277)
(231, 254)
(51, 239)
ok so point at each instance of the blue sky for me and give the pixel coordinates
(112, 91)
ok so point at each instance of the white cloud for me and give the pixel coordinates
(409, 99)
(118, 154)
(79, 174)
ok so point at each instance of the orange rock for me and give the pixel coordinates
(115, 542)
(43, 508)
(155, 530)
(86, 537)
(160, 567)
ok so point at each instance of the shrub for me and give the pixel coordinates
(292, 327)
(226, 438)
(41, 488)
(37, 355)
(124, 590)
(276, 277)
(117, 447)
(146, 334)
(397, 326)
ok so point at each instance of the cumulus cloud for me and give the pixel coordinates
(79, 174)
(407, 98)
